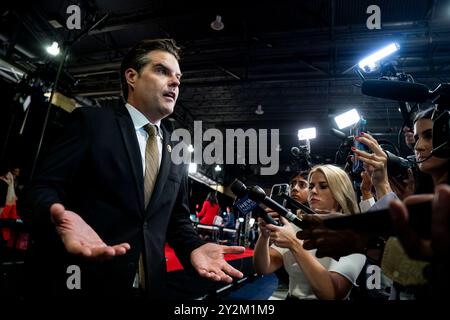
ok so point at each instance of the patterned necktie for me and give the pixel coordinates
(151, 162)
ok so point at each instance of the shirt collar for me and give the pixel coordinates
(139, 120)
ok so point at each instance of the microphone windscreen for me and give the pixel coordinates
(238, 188)
(396, 90)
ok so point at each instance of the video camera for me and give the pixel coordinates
(302, 157)
(397, 167)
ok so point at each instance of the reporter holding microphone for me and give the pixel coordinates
(311, 277)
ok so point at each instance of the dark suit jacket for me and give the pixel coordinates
(95, 170)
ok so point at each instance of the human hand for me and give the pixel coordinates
(416, 247)
(208, 260)
(263, 224)
(377, 160)
(79, 238)
(328, 242)
(366, 185)
(283, 236)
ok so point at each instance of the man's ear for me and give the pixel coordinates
(130, 76)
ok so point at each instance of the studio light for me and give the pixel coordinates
(307, 134)
(190, 148)
(218, 168)
(347, 119)
(53, 49)
(369, 63)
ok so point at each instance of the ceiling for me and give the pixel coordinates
(293, 58)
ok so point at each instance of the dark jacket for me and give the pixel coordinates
(95, 170)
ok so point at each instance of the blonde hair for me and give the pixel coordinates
(340, 186)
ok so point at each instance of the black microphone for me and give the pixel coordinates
(239, 188)
(297, 204)
(257, 194)
(396, 90)
(245, 205)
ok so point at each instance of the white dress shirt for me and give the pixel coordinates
(139, 122)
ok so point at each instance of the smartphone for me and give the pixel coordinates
(356, 131)
(277, 191)
(380, 221)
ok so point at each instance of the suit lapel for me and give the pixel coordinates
(164, 170)
(132, 146)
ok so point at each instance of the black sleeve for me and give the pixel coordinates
(181, 234)
(56, 170)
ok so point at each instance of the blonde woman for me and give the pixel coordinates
(330, 189)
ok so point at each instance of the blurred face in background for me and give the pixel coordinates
(299, 189)
(320, 196)
(423, 135)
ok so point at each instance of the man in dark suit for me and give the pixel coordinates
(108, 196)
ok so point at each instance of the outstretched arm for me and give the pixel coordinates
(79, 238)
(208, 260)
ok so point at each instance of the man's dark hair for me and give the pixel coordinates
(137, 57)
(303, 174)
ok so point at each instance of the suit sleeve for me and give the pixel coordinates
(181, 235)
(56, 170)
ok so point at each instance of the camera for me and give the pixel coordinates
(302, 157)
(397, 167)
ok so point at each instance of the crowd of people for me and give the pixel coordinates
(412, 265)
(114, 226)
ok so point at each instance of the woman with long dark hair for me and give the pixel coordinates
(436, 167)
(209, 209)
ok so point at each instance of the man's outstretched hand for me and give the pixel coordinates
(79, 238)
(209, 262)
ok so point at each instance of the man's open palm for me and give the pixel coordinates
(79, 238)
